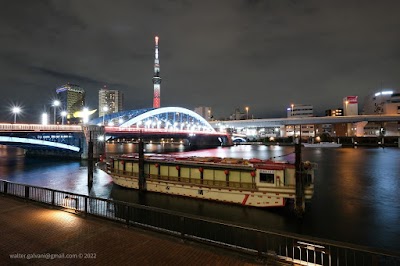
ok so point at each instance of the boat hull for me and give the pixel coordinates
(242, 197)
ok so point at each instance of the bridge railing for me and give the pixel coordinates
(291, 248)
(159, 130)
(38, 127)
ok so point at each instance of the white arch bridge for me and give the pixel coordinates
(168, 118)
(166, 122)
(72, 140)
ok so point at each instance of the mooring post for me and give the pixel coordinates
(299, 204)
(90, 162)
(142, 178)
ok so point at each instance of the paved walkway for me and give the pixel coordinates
(31, 233)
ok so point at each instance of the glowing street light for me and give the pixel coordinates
(56, 103)
(16, 110)
(247, 112)
(63, 115)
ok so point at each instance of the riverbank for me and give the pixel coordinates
(345, 141)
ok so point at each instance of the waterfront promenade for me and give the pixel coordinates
(37, 234)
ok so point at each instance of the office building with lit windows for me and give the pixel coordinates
(334, 112)
(110, 101)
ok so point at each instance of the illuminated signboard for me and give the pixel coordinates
(352, 99)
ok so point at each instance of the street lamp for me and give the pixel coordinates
(247, 112)
(63, 115)
(105, 110)
(16, 110)
(292, 105)
(56, 103)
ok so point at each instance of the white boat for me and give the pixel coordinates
(323, 145)
(254, 182)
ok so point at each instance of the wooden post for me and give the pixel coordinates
(299, 204)
(90, 162)
(142, 178)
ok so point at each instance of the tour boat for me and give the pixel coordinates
(322, 145)
(253, 182)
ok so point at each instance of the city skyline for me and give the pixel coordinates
(258, 54)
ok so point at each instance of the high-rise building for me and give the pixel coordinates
(204, 111)
(72, 99)
(110, 101)
(156, 77)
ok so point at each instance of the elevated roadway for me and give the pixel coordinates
(277, 122)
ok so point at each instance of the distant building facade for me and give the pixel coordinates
(350, 105)
(300, 110)
(110, 101)
(334, 112)
(72, 99)
(237, 115)
(204, 111)
(385, 102)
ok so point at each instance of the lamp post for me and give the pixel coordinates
(105, 110)
(247, 112)
(16, 110)
(292, 105)
(56, 103)
(63, 115)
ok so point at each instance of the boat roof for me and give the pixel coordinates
(215, 161)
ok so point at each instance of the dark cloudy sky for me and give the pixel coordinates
(225, 54)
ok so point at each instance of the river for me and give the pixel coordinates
(356, 198)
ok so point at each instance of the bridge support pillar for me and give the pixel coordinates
(96, 134)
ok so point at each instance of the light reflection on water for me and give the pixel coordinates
(356, 190)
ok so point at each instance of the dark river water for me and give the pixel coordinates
(356, 199)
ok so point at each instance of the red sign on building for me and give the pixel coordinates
(352, 99)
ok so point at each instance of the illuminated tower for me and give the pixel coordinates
(156, 78)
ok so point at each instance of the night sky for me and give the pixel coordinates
(225, 54)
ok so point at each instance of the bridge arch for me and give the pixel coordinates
(28, 142)
(172, 115)
(165, 118)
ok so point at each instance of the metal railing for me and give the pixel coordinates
(291, 248)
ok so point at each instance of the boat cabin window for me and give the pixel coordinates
(267, 178)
